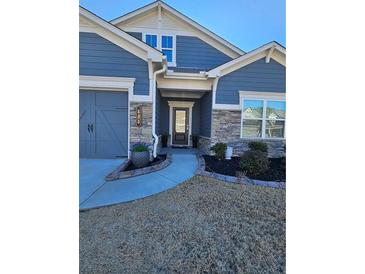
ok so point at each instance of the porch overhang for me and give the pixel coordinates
(174, 83)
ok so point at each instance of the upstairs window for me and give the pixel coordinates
(167, 47)
(151, 40)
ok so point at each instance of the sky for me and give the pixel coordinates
(247, 24)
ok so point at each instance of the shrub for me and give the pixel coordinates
(140, 147)
(283, 164)
(260, 146)
(254, 162)
(219, 150)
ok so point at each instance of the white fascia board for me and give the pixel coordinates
(106, 83)
(247, 59)
(182, 17)
(152, 53)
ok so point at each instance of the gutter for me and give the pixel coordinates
(155, 137)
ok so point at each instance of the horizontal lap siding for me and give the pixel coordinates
(258, 76)
(206, 114)
(100, 57)
(191, 52)
(137, 35)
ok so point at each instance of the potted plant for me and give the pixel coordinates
(140, 155)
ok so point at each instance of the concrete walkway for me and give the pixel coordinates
(183, 166)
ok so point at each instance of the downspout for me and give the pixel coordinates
(155, 137)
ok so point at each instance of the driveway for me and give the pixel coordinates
(182, 168)
(92, 174)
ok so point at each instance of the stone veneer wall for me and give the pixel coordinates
(143, 133)
(204, 145)
(226, 126)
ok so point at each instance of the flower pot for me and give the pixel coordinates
(229, 152)
(140, 159)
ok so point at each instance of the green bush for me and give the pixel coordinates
(260, 146)
(254, 162)
(219, 150)
(140, 148)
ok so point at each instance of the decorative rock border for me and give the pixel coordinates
(237, 180)
(120, 174)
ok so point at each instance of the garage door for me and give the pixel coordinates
(103, 123)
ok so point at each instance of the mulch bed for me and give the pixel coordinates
(200, 226)
(229, 167)
(156, 161)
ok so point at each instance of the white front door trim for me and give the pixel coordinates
(181, 104)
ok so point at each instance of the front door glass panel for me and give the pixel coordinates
(180, 123)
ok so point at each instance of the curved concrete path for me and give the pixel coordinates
(183, 166)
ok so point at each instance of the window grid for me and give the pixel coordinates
(263, 119)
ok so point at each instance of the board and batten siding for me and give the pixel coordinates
(100, 57)
(257, 76)
(192, 52)
(206, 114)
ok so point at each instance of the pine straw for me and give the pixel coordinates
(201, 226)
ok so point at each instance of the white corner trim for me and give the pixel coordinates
(181, 104)
(106, 83)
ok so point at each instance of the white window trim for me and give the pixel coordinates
(182, 104)
(159, 44)
(145, 38)
(262, 96)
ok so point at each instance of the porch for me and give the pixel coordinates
(183, 117)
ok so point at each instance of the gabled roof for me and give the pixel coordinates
(152, 53)
(269, 50)
(189, 21)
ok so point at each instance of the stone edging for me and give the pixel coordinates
(120, 174)
(231, 179)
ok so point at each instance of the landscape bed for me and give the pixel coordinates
(127, 169)
(159, 159)
(276, 171)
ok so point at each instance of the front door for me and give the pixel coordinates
(180, 133)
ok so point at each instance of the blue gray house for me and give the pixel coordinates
(155, 72)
